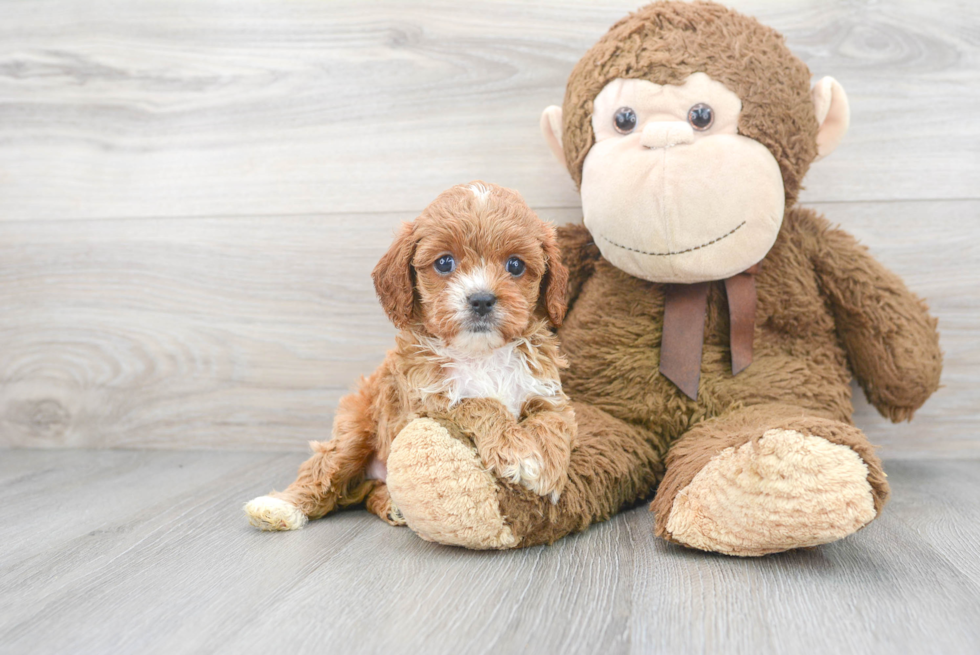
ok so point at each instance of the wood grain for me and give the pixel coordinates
(149, 552)
(244, 332)
(192, 194)
(189, 108)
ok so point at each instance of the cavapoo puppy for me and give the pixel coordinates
(475, 285)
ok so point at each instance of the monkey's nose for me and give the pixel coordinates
(482, 302)
(664, 134)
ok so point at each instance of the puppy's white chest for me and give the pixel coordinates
(502, 374)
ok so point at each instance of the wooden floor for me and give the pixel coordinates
(148, 552)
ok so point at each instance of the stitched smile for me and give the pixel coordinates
(674, 252)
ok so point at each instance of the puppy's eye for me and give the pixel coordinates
(700, 116)
(445, 265)
(624, 120)
(515, 266)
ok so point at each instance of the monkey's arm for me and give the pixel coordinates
(579, 254)
(890, 338)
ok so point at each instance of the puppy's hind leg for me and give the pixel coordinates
(270, 513)
(314, 493)
(332, 477)
(379, 503)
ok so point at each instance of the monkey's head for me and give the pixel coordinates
(688, 129)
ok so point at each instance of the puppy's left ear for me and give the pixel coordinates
(554, 284)
(394, 280)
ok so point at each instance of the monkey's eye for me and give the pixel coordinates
(624, 120)
(445, 265)
(515, 266)
(700, 116)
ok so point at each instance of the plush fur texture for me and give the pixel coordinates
(805, 481)
(668, 203)
(449, 496)
(666, 42)
(493, 376)
(785, 490)
(826, 311)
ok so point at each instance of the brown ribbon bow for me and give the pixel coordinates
(685, 307)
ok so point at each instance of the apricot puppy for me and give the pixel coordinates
(475, 285)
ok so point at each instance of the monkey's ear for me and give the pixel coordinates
(551, 129)
(833, 114)
(393, 278)
(554, 284)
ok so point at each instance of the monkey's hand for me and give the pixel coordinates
(891, 340)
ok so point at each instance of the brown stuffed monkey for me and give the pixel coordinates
(713, 326)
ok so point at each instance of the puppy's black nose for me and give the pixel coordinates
(482, 303)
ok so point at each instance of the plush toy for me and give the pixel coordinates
(713, 325)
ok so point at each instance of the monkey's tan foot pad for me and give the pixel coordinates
(268, 513)
(786, 490)
(443, 491)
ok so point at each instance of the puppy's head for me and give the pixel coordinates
(473, 269)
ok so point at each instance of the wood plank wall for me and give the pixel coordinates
(193, 193)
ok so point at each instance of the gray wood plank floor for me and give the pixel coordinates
(148, 552)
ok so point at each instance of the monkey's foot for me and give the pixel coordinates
(787, 489)
(443, 491)
(268, 513)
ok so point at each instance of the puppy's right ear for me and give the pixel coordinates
(394, 279)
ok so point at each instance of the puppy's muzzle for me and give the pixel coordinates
(482, 303)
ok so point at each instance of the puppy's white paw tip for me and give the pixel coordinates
(531, 469)
(268, 513)
(528, 472)
(511, 473)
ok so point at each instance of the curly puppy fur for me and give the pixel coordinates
(495, 376)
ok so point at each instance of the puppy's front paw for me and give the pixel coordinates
(268, 513)
(529, 472)
(543, 473)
